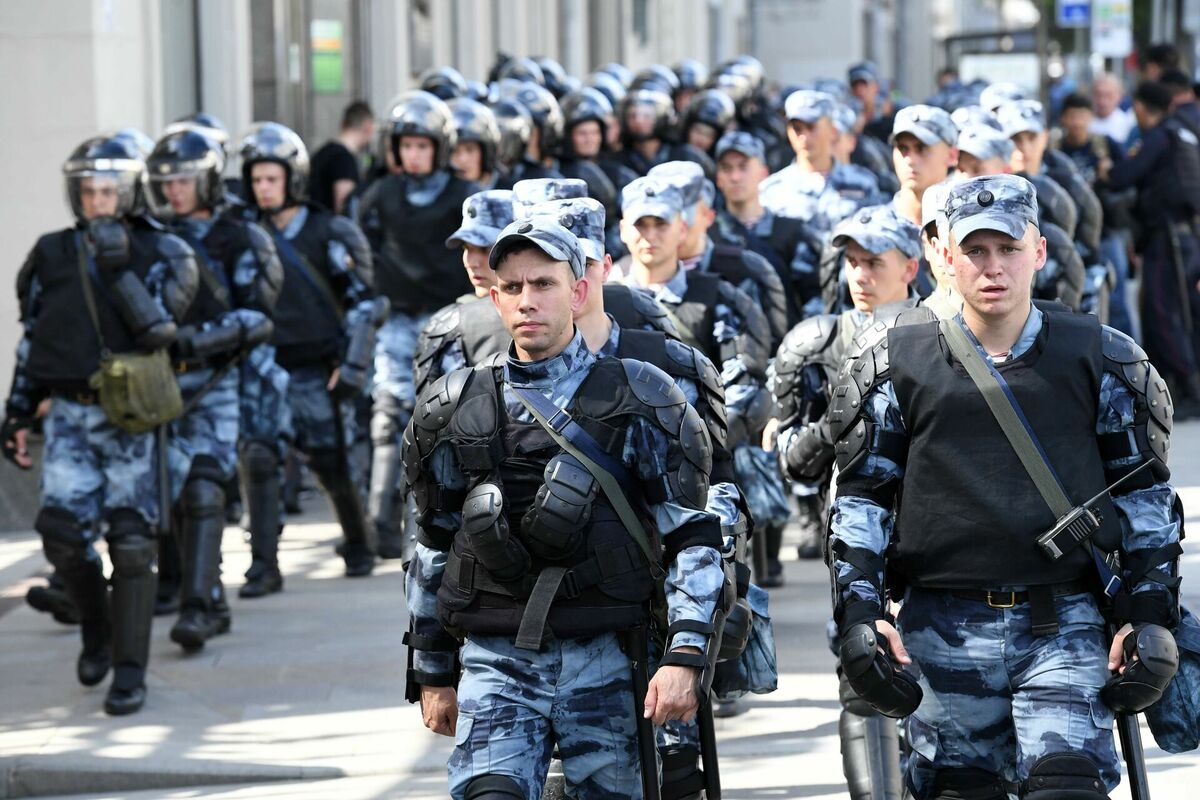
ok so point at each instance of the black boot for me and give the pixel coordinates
(870, 756)
(233, 500)
(359, 552)
(166, 599)
(385, 472)
(292, 479)
(219, 609)
(203, 523)
(68, 550)
(261, 469)
(54, 600)
(132, 551)
(809, 521)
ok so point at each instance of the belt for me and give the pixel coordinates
(1007, 599)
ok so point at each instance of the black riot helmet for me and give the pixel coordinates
(585, 105)
(141, 142)
(516, 129)
(478, 91)
(109, 161)
(554, 77)
(445, 83)
(206, 123)
(656, 102)
(692, 74)
(475, 122)
(419, 113)
(656, 76)
(276, 144)
(186, 153)
(525, 70)
(608, 86)
(618, 71)
(735, 85)
(712, 107)
(543, 109)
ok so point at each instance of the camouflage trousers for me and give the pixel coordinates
(395, 349)
(266, 414)
(515, 704)
(91, 468)
(210, 429)
(325, 423)
(998, 698)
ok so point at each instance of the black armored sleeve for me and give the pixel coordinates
(355, 280)
(689, 362)
(804, 369)
(1150, 438)
(1065, 275)
(181, 279)
(751, 343)
(439, 334)
(262, 290)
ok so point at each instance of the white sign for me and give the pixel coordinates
(1112, 28)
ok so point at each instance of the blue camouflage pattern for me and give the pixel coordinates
(264, 409)
(879, 229)
(1005, 203)
(809, 105)
(395, 348)
(319, 421)
(984, 142)
(534, 191)
(1021, 116)
(91, 468)
(210, 429)
(820, 200)
(929, 124)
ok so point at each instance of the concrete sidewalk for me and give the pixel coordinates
(304, 698)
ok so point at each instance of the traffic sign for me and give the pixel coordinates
(1073, 13)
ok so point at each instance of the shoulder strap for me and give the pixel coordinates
(85, 281)
(305, 270)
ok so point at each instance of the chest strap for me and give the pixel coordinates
(604, 565)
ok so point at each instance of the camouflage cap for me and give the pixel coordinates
(879, 229)
(974, 115)
(984, 142)
(997, 94)
(1020, 116)
(1004, 203)
(528, 193)
(844, 118)
(863, 71)
(747, 144)
(583, 217)
(929, 124)
(650, 197)
(808, 105)
(551, 238)
(689, 178)
(933, 201)
(484, 214)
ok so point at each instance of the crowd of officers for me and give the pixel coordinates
(577, 351)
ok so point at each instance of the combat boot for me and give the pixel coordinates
(132, 551)
(54, 600)
(203, 524)
(808, 519)
(261, 468)
(166, 595)
(359, 552)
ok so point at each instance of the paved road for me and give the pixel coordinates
(304, 698)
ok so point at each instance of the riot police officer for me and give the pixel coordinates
(944, 503)
(706, 119)
(240, 280)
(407, 218)
(541, 140)
(647, 121)
(108, 287)
(326, 319)
(478, 139)
(492, 557)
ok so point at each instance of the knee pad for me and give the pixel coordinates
(203, 498)
(207, 468)
(1064, 776)
(130, 546)
(262, 463)
(965, 783)
(62, 536)
(681, 775)
(493, 787)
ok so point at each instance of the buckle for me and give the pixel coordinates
(1012, 600)
(569, 586)
(559, 421)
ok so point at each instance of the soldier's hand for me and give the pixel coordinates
(16, 443)
(1116, 653)
(333, 379)
(770, 434)
(672, 693)
(439, 709)
(894, 642)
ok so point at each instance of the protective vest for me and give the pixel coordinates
(64, 350)
(308, 315)
(694, 315)
(969, 512)
(414, 269)
(608, 585)
(217, 255)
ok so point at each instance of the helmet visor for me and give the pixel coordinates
(103, 187)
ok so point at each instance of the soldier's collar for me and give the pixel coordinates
(544, 374)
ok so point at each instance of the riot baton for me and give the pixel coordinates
(1185, 307)
(1131, 748)
(708, 749)
(636, 648)
(164, 480)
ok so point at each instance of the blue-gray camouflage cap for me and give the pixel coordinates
(583, 217)
(528, 193)
(485, 214)
(863, 71)
(1004, 203)
(809, 105)
(984, 142)
(689, 178)
(650, 197)
(844, 118)
(551, 238)
(879, 229)
(974, 115)
(933, 201)
(929, 124)
(1020, 116)
(747, 144)
(997, 94)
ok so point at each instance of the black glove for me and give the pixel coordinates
(1144, 680)
(8, 435)
(873, 676)
(110, 241)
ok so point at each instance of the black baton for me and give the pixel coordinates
(1131, 748)
(636, 647)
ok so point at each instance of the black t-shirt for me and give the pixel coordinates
(332, 163)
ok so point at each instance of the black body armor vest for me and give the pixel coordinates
(414, 269)
(217, 255)
(695, 313)
(969, 512)
(64, 350)
(308, 315)
(608, 585)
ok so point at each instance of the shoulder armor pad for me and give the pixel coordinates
(349, 234)
(436, 404)
(1127, 360)
(848, 425)
(443, 322)
(756, 336)
(1121, 348)
(171, 246)
(651, 385)
(803, 343)
(652, 311)
(182, 280)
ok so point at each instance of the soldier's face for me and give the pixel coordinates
(812, 140)
(702, 136)
(475, 261)
(467, 159)
(738, 177)
(866, 91)
(416, 155)
(877, 278)
(268, 183)
(640, 121)
(933, 255)
(180, 192)
(653, 241)
(973, 167)
(994, 272)
(587, 139)
(918, 165)
(99, 196)
(1028, 151)
(537, 298)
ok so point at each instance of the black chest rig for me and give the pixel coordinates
(533, 517)
(695, 314)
